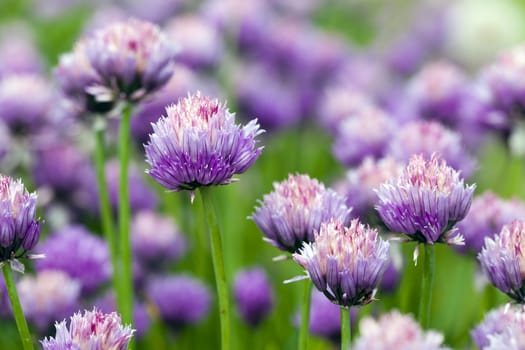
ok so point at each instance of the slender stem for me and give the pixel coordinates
(108, 226)
(126, 278)
(346, 330)
(426, 285)
(20, 320)
(305, 316)
(218, 266)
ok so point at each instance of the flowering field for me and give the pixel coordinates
(271, 174)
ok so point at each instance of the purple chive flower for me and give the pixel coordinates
(358, 187)
(92, 330)
(345, 263)
(495, 322)
(502, 260)
(200, 42)
(437, 92)
(325, 317)
(253, 295)
(156, 239)
(18, 53)
(181, 300)
(19, 230)
(21, 114)
(396, 331)
(512, 337)
(428, 137)
(50, 295)
(392, 275)
(486, 217)
(198, 144)
(290, 214)
(361, 135)
(426, 201)
(78, 253)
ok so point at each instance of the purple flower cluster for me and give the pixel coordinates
(345, 263)
(503, 260)
(495, 323)
(91, 330)
(291, 214)
(198, 144)
(426, 201)
(253, 295)
(124, 60)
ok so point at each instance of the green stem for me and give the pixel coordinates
(218, 266)
(126, 278)
(305, 316)
(20, 320)
(426, 285)
(346, 330)
(108, 226)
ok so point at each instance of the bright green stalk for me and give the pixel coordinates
(218, 266)
(305, 316)
(108, 226)
(427, 285)
(125, 276)
(346, 330)
(20, 320)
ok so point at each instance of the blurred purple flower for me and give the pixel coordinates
(296, 208)
(253, 295)
(426, 201)
(200, 42)
(80, 254)
(345, 263)
(180, 300)
(495, 322)
(155, 239)
(157, 11)
(427, 138)
(92, 330)
(502, 260)
(18, 53)
(199, 144)
(396, 331)
(361, 135)
(50, 295)
(325, 317)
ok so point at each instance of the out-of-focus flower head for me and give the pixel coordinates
(200, 42)
(198, 144)
(345, 263)
(20, 113)
(158, 11)
(78, 253)
(181, 300)
(296, 208)
(425, 201)
(359, 184)
(496, 322)
(511, 337)
(325, 317)
(396, 331)
(90, 330)
(361, 135)
(502, 260)
(50, 295)
(19, 229)
(155, 239)
(18, 53)
(427, 138)
(253, 295)
(486, 217)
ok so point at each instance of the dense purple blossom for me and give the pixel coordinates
(296, 208)
(253, 295)
(426, 201)
(198, 144)
(486, 218)
(156, 239)
(428, 137)
(91, 330)
(396, 331)
(79, 253)
(495, 322)
(180, 300)
(50, 295)
(345, 263)
(503, 260)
